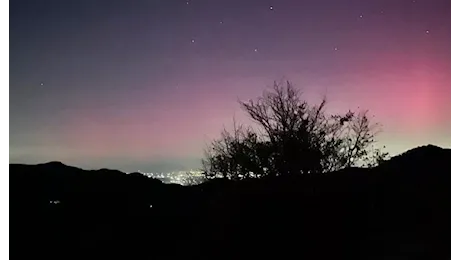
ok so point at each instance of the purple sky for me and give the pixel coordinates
(143, 85)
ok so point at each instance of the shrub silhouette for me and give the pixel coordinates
(292, 138)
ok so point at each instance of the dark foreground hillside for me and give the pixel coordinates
(400, 210)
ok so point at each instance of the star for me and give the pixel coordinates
(427, 31)
(221, 22)
(193, 40)
(255, 50)
(381, 12)
(188, 2)
(336, 49)
(42, 84)
(271, 8)
(360, 16)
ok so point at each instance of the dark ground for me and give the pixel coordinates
(400, 210)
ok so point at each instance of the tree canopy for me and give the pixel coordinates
(291, 137)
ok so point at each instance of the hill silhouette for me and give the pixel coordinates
(398, 210)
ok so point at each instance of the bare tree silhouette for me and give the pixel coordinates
(292, 138)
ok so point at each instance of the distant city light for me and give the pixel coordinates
(177, 177)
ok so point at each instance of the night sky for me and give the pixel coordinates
(143, 85)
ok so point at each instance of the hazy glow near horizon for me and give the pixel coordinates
(145, 84)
